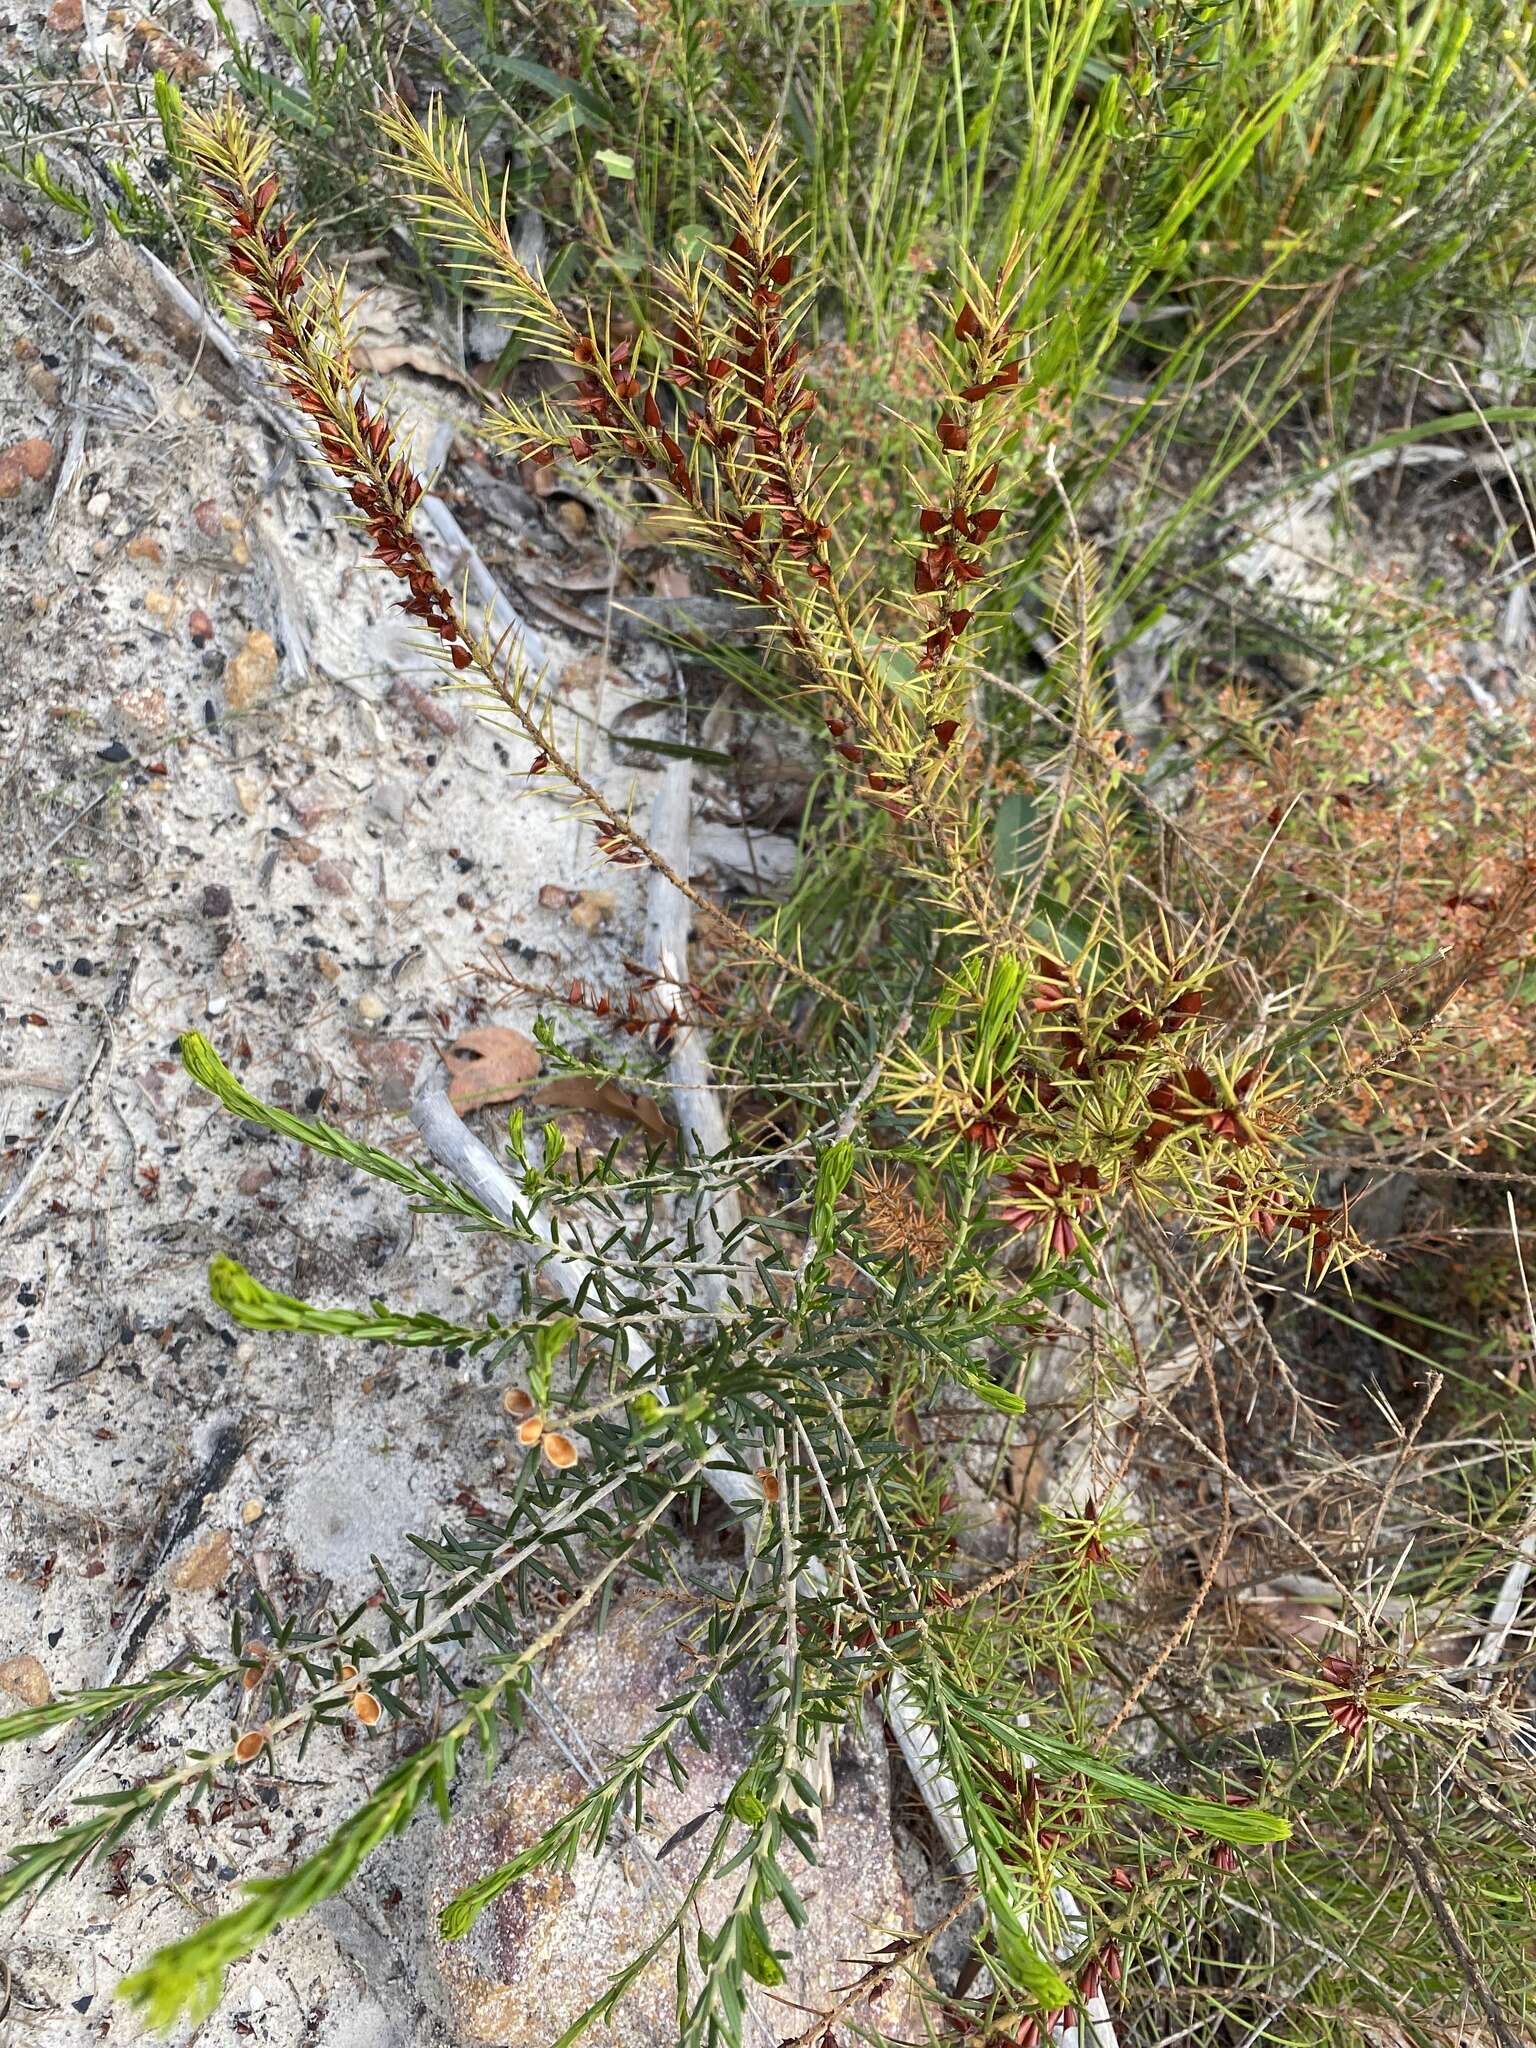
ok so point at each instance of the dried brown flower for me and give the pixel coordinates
(895, 1221)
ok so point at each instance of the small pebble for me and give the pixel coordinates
(217, 901)
(371, 1007)
(235, 963)
(332, 878)
(389, 800)
(23, 462)
(25, 1679)
(99, 506)
(251, 673)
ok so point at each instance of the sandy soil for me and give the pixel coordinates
(230, 798)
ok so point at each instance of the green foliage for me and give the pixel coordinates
(194, 1680)
(259, 1308)
(430, 1191)
(945, 333)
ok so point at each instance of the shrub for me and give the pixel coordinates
(1021, 1073)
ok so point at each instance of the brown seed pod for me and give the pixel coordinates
(529, 1432)
(250, 1745)
(366, 1708)
(767, 1482)
(559, 1450)
(347, 1673)
(517, 1401)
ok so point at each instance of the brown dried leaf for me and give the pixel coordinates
(543, 600)
(491, 1064)
(603, 1098)
(205, 1565)
(671, 580)
(388, 336)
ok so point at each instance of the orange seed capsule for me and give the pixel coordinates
(559, 1450)
(348, 1673)
(250, 1745)
(517, 1402)
(530, 1431)
(366, 1708)
(768, 1483)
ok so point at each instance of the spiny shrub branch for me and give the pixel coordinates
(1069, 1051)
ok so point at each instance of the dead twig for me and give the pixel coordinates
(1432, 1891)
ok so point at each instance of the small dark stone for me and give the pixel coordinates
(115, 752)
(217, 901)
(83, 966)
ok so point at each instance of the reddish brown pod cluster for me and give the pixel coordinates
(776, 401)
(358, 443)
(1191, 1099)
(1326, 1230)
(610, 402)
(633, 1015)
(617, 850)
(1265, 1210)
(1346, 1708)
(1103, 1967)
(762, 440)
(1135, 1028)
(955, 530)
(1052, 1195)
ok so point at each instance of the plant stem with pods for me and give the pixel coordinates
(298, 306)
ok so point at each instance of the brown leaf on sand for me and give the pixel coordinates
(671, 580)
(491, 1064)
(603, 1098)
(388, 337)
(205, 1565)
